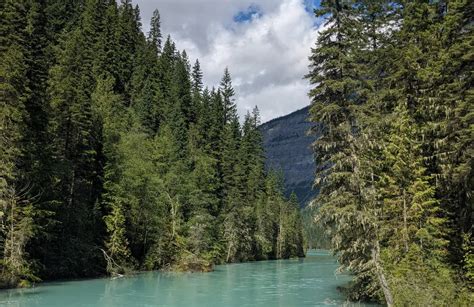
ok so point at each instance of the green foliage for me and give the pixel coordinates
(279, 229)
(155, 37)
(418, 280)
(18, 229)
(17, 225)
(468, 261)
(114, 158)
(395, 195)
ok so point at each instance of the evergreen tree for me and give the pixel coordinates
(15, 217)
(253, 158)
(110, 116)
(183, 90)
(113, 157)
(128, 34)
(337, 95)
(197, 85)
(227, 92)
(154, 36)
(380, 75)
(146, 98)
(74, 154)
(34, 164)
(453, 125)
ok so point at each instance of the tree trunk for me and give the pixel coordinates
(229, 248)
(405, 227)
(280, 238)
(381, 276)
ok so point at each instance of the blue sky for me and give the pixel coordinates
(310, 5)
(265, 44)
(252, 12)
(255, 11)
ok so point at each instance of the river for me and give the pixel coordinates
(298, 282)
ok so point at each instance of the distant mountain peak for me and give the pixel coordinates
(288, 148)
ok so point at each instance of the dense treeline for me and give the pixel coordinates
(114, 157)
(392, 88)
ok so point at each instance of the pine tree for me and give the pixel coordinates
(17, 212)
(183, 90)
(34, 162)
(295, 237)
(113, 157)
(204, 123)
(107, 50)
(166, 69)
(74, 154)
(269, 235)
(380, 74)
(453, 123)
(201, 235)
(337, 95)
(110, 115)
(227, 92)
(154, 36)
(253, 158)
(197, 85)
(230, 142)
(146, 98)
(128, 33)
(216, 122)
(62, 15)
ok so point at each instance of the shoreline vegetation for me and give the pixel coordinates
(200, 267)
(392, 96)
(115, 157)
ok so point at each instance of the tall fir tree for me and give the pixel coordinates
(154, 36)
(113, 157)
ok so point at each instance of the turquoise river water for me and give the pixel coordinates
(300, 282)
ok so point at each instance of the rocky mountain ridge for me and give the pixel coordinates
(288, 149)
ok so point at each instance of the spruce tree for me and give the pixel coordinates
(384, 99)
(74, 154)
(337, 95)
(197, 85)
(113, 157)
(154, 36)
(16, 215)
(453, 123)
(227, 92)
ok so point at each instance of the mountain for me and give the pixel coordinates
(288, 148)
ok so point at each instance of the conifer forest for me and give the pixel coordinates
(392, 94)
(117, 158)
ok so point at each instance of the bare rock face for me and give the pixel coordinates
(288, 148)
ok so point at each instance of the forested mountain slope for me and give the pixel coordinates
(114, 157)
(288, 149)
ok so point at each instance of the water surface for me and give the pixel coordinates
(299, 282)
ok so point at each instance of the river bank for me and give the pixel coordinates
(309, 281)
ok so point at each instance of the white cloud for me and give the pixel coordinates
(267, 56)
(277, 100)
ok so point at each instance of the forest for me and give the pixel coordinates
(115, 158)
(392, 93)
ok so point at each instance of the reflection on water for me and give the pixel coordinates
(299, 282)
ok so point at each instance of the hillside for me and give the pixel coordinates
(288, 148)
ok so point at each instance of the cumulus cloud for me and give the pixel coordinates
(265, 44)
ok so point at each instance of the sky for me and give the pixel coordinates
(264, 43)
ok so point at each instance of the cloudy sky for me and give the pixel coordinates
(265, 44)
